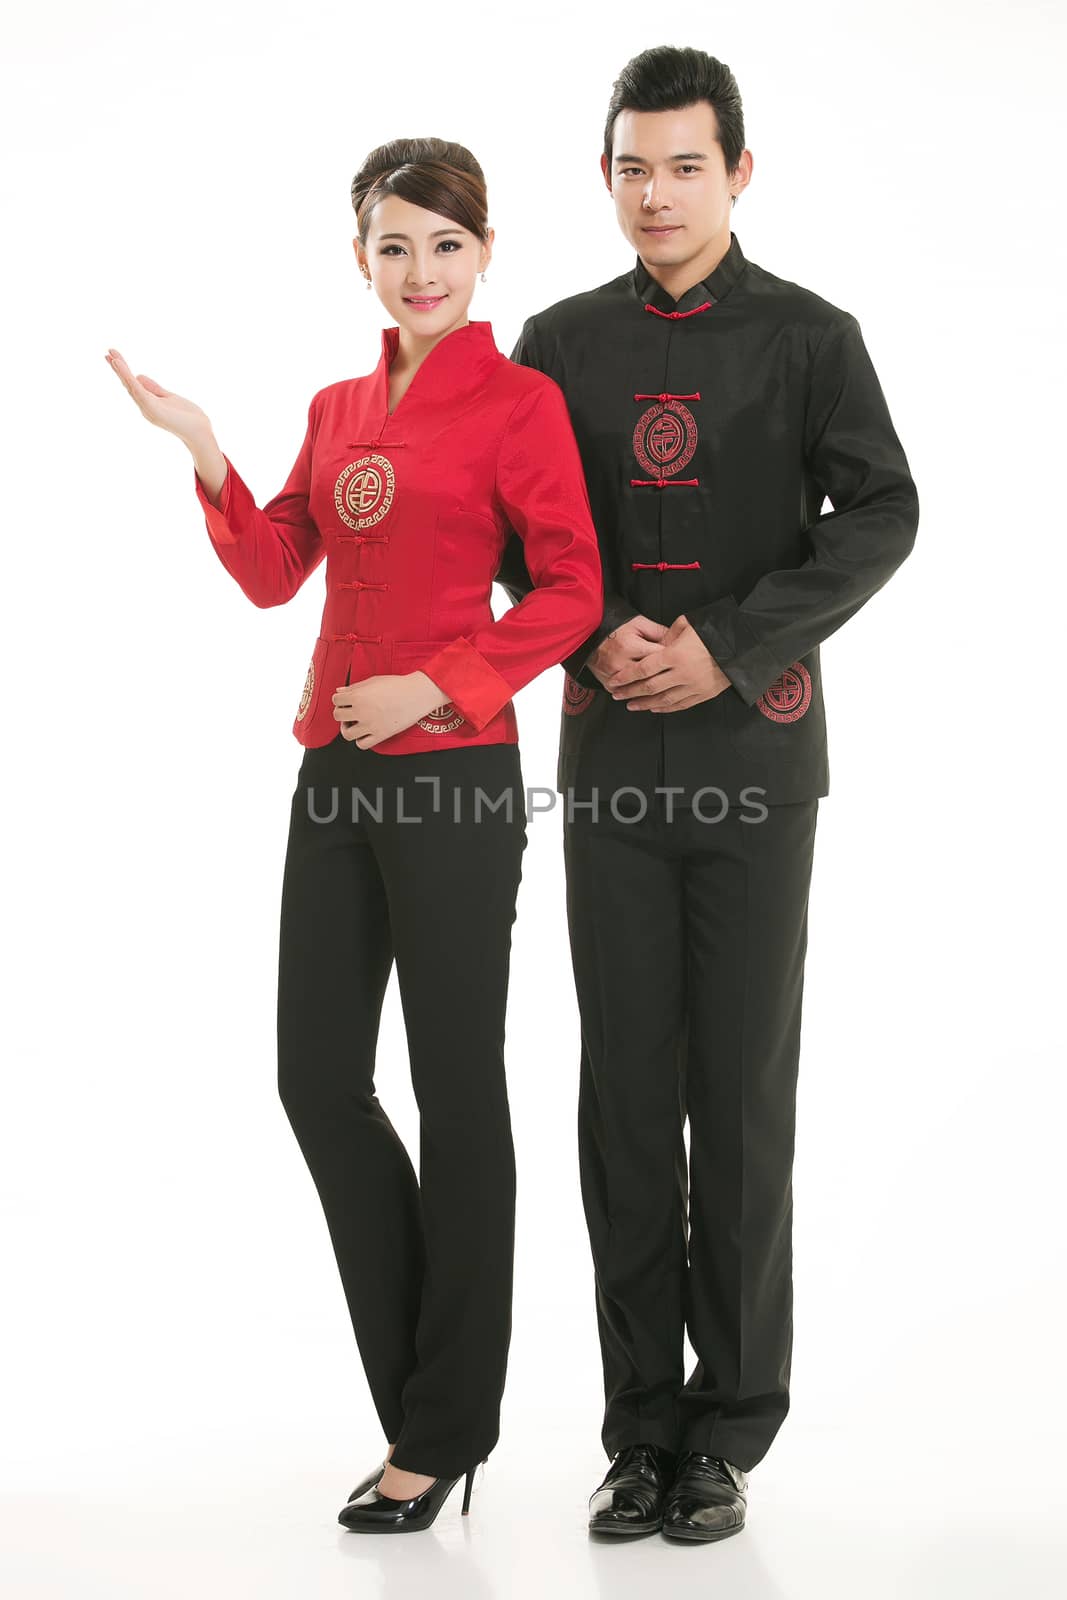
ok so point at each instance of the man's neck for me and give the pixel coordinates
(678, 280)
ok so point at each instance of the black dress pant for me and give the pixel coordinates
(427, 874)
(688, 939)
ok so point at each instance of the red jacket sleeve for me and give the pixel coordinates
(270, 552)
(617, 609)
(541, 488)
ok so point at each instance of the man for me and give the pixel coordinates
(716, 406)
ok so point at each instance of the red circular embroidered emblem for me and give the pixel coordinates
(576, 698)
(665, 438)
(442, 719)
(789, 696)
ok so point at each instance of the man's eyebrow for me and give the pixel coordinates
(407, 237)
(686, 155)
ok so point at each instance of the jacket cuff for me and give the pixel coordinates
(730, 638)
(218, 523)
(578, 662)
(474, 687)
(616, 612)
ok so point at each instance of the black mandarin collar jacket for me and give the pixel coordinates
(711, 431)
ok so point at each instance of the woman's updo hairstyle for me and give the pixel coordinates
(433, 173)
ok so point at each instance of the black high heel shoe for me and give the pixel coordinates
(374, 1512)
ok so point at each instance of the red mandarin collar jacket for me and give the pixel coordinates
(411, 512)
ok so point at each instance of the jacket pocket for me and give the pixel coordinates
(309, 695)
(408, 656)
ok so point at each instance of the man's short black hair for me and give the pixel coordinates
(667, 78)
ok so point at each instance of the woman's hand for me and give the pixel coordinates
(169, 411)
(375, 708)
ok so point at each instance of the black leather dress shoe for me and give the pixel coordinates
(707, 1499)
(368, 1482)
(630, 1499)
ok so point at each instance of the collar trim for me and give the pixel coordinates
(701, 296)
(691, 313)
(474, 339)
(457, 363)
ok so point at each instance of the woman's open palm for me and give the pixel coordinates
(170, 411)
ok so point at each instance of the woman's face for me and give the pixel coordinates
(422, 265)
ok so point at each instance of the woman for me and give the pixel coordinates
(407, 482)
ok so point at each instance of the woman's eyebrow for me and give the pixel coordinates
(407, 237)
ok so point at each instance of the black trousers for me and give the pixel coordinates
(688, 939)
(427, 874)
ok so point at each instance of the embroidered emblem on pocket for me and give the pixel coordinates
(789, 696)
(442, 719)
(364, 491)
(576, 698)
(309, 689)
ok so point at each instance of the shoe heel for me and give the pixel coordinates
(469, 1485)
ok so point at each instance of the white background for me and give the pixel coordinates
(183, 1404)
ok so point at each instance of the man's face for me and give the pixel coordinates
(669, 182)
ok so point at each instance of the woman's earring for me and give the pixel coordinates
(367, 276)
(483, 277)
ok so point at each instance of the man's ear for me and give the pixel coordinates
(605, 167)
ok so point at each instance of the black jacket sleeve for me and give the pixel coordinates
(856, 460)
(513, 575)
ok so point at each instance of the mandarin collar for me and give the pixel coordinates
(458, 363)
(716, 286)
(463, 352)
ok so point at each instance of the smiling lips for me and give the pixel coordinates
(423, 302)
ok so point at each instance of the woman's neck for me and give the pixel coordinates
(412, 348)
